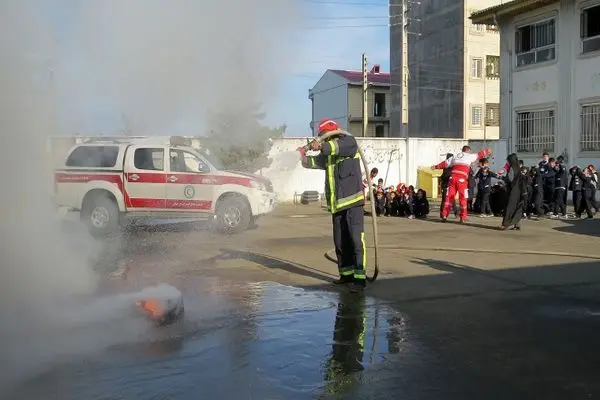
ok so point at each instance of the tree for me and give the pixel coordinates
(240, 140)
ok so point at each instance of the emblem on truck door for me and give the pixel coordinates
(189, 192)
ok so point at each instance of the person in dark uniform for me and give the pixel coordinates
(560, 188)
(594, 184)
(348, 346)
(340, 159)
(537, 193)
(588, 188)
(444, 180)
(576, 186)
(549, 181)
(484, 188)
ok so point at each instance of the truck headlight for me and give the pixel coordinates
(258, 185)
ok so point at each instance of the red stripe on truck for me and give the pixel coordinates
(160, 177)
(61, 177)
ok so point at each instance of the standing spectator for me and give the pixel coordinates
(365, 182)
(594, 185)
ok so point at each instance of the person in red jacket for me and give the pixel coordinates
(460, 165)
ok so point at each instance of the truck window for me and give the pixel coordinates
(93, 157)
(183, 161)
(149, 159)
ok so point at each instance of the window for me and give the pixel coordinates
(183, 161)
(379, 131)
(476, 67)
(492, 66)
(476, 112)
(590, 29)
(535, 43)
(535, 131)
(93, 157)
(478, 28)
(379, 106)
(492, 114)
(149, 159)
(590, 127)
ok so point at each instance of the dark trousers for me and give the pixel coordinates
(484, 202)
(537, 203)
(349, 240)
(593, 201)
(577, 201)
(586, 203)
(559, 201)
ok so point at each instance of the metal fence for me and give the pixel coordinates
(536, 131)
(590, 127)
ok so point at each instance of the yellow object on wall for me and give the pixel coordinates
(429, 180)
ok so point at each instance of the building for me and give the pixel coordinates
(550, 76)
(339, 95)
(453, 85)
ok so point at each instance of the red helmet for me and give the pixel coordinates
(327, 125)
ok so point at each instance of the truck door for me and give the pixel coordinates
(146, 178)
(189, 185)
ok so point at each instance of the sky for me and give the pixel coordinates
(335, 38)
(331, 34)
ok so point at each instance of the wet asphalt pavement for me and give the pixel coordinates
(268, 341)
(490, 335)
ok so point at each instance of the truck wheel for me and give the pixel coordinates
(232, 215)
(101, 215)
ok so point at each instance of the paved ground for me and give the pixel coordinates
(508, 317)
(289, 246)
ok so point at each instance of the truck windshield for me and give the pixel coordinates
(211, 159)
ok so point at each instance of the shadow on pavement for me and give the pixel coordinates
(269, 262)
(581, 227)
(528, 332)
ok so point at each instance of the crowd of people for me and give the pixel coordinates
(542, 188)
(398, 201)
(545, 188)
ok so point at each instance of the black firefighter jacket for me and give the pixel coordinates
(340, 159)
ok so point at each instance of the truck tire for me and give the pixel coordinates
(101, 216)
(232, 215)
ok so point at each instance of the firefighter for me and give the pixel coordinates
(340, 159)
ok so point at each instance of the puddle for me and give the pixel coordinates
(260, 340)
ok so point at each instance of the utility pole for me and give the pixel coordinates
(405, 72)
(365, 118)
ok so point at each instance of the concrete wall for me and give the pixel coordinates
(330, 100)
(397, 160)
(562, 84)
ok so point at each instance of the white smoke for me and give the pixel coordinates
(161, 63)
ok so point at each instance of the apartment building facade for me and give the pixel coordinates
(550, 77)
(453, 86)
(339, 95)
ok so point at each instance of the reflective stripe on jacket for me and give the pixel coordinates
(340, 159)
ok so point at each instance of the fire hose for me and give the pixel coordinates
(328, 135)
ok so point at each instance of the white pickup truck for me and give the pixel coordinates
(106, 183)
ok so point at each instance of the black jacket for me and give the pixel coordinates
(576, 183)
(343, 177)
(549, 179)
(537, 187)
(484, 180)
(544, 167)
(561, 177)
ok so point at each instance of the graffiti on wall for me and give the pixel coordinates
(443, 150)
(379, 156)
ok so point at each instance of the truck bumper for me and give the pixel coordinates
(263, 203)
